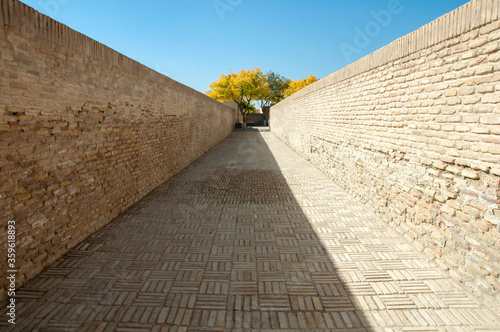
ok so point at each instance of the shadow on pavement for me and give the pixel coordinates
(222, 246)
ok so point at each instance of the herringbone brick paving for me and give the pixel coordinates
(249, 237)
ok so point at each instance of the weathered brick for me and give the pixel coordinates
(466, 91)
(456, 131)
(472, 241)
(480, 166)
(491, 139)
(475, 81)
(448, 209)
(468, 173)
(494, 220)
(15, 110)
(454, 169)
(495, 171)
(451, 93)
(478, 42)
(447, 159)
(4, 127)
(463, 216)
(491, 98)
(478, 129)
(490, 48)
(471, 211)
(486, 88)
(87, 151)
(485, 69)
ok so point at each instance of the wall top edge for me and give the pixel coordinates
(472, 15)
(33, 24)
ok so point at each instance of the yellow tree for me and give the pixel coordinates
(243, 88)
(299, 85)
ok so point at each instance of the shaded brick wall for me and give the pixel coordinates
(413, 130)
(85, 133)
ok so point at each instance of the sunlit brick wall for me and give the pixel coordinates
(413, 130)
(85, 133)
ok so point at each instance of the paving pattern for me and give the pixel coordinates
(249, 237)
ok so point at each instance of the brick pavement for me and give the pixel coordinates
(249, 237)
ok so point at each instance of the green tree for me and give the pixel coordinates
(243, 88)
(277, 86)
(251, 108)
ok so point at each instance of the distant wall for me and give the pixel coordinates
(234, 106)
(85, 133)
(254, 118)
(413, 129)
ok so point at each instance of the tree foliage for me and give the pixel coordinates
(243, 88)
(299, 85)
(248, 86)
(277, 87)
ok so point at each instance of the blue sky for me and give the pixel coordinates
(195, 41)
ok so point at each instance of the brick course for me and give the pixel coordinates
(413, 130)
(85, 133)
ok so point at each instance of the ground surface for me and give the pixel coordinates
(250, 236)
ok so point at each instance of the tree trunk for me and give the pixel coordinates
(244, 115)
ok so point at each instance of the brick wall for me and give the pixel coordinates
(413, 130)
(85, 133)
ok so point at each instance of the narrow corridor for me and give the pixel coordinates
(249, 237)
